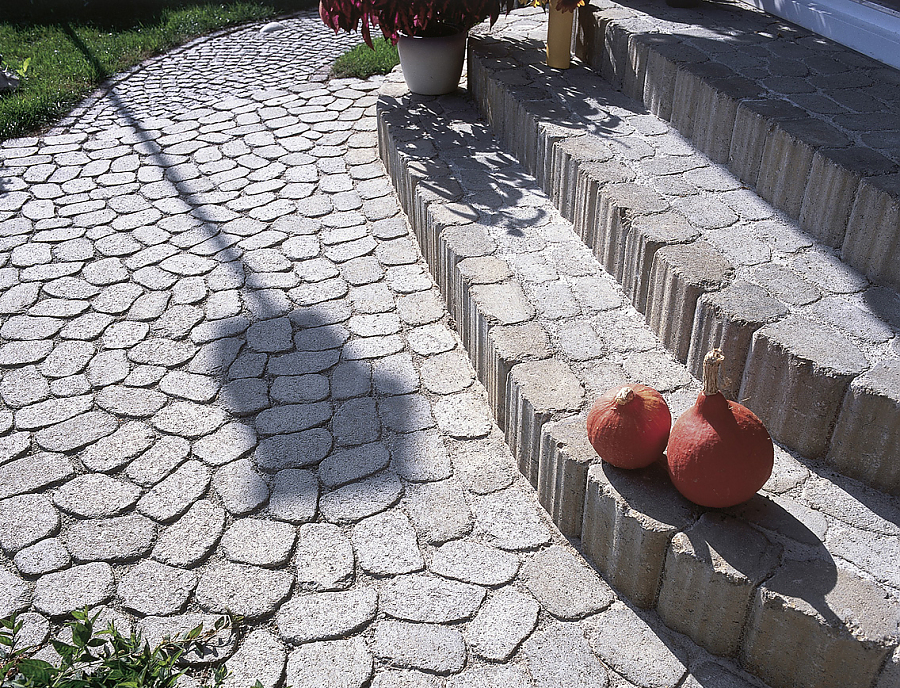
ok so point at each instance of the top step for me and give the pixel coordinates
(813, 126)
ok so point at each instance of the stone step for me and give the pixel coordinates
(548, 329)
(813, 126)
(811, 343)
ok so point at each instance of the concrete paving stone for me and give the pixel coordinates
(94, 496)
(565, 587)
(836, 619)
(26, 519)
(362, 270)
(613, 636)
(187, 419)
(131, 401)
(270, 336)
(22, 353)
(216, 358)
(14, 594)
(117, 539)
(290, 418)
(176, 321)
(241, 488)
(420, 456)
(26, 327)
(190, 539)
(385, 544)
(123, 335)
(293, 450)
(872, 553)
(118, 448)
(303, 362)
(199, 388)
(438, 510)
(86, 327)
(330, 664)
(174, 495)
(22, 387)
(559, 655)
(427, 598)
(446, 373)
(221, 644)
(785, 519)
(502, 623)
(231, 441)
(104, 272)
(150, 588)
(328, 336)
(358, 500)
(355, 422)
(463, 416)
(372, 347)
(395, 375)
(326, 615)
(323, 558)
(221, 305)
(258, 542)
(34, 631)
(294, 496)
(163, 352)
(58, 594)
(345, 466)
(149, 306)
(512, 676)
(856, 505)
(402, 678)
(712, 570)
(59, 308)
(405, 413)
(473, 562)
(187, 265)
(298, 389)
(249, 591)
(19, 298)
(509, 520)
(117, 298)
(261, 657)
(432, 648)
(248, 394)
(34, 472)
(859, 321)
(51, 412)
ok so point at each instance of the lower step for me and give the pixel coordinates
(547, 330)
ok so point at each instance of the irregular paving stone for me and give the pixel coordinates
(26, 519)
(294, 450)
(95, 495)
(564, 585)
(14, 445)
(438, 510)
(406, 413)
(241, 488)
(428, 598)
(21, 353)
(559, 655)
(270, 336)
(77, 432)
(14, 594)
(192, 537)
(510, 521)
(178, 383)
(261, 657)
(420, 456)
(258, 542)
(473, 562)
(295, 496)
(292, 418)
(150, 588)
(187, 419)
(385, 544)
(33, 473)
(218, 646)
(117, 449)
(158, 461)
(174, 495)
(326, 615)
(355, 422)
(67, 358)
(51, 412)
(324, 558)
(408, 679)
(345, 466)
(162, 352)
(23, 387)
(428, 647)
(107, 368)
(122, 538)
(509, 676)
(89, 585)
(249, 591)
(230, 442)
(617, 632)
(299, 389)
(34, 631)
(364, 498)
(330, 664)
(131, 401)
(502, 623)
(42, 557)
(245, 396)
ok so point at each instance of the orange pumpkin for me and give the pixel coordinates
(628, 426)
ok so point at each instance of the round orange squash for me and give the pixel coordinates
(628, 426)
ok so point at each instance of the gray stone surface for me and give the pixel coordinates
(259, 542)
(502, 623)
(323, 557)
(294, 496)
(428, 647)
(42, 557)
(241, 488)
(560, 655)
(192, 537)
(26, 519)
(117, 539)
(510, 520)
(361, 499)
(563, 585)
(96, 495)
(261, 657)
(57, 594)
(385, 544)
(151, 588)
(326, 615)
(215, 649)
(14, 594)
(175, 494)
(438, 510)
(473, 562)
(330, 664)
(240, 589)
(430, 599)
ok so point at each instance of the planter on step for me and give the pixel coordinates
(559, 37)
(432, 66)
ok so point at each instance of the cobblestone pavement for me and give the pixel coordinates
(229, 384)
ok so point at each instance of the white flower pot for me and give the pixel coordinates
(432, 66)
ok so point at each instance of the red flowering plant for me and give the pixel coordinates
(410, 17)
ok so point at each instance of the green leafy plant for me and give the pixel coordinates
(101, 658)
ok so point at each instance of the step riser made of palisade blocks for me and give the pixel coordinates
(646, 540)
(844, 194)
(812, 385)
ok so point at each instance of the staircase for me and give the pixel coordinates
(698, 178)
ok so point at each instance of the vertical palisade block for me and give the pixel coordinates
(873, 231)
(566, 456)
(619, 205)
(753, 122)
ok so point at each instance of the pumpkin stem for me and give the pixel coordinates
(711, 363)
(624, 395)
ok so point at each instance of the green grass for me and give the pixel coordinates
(73, 45)
(362, 62)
